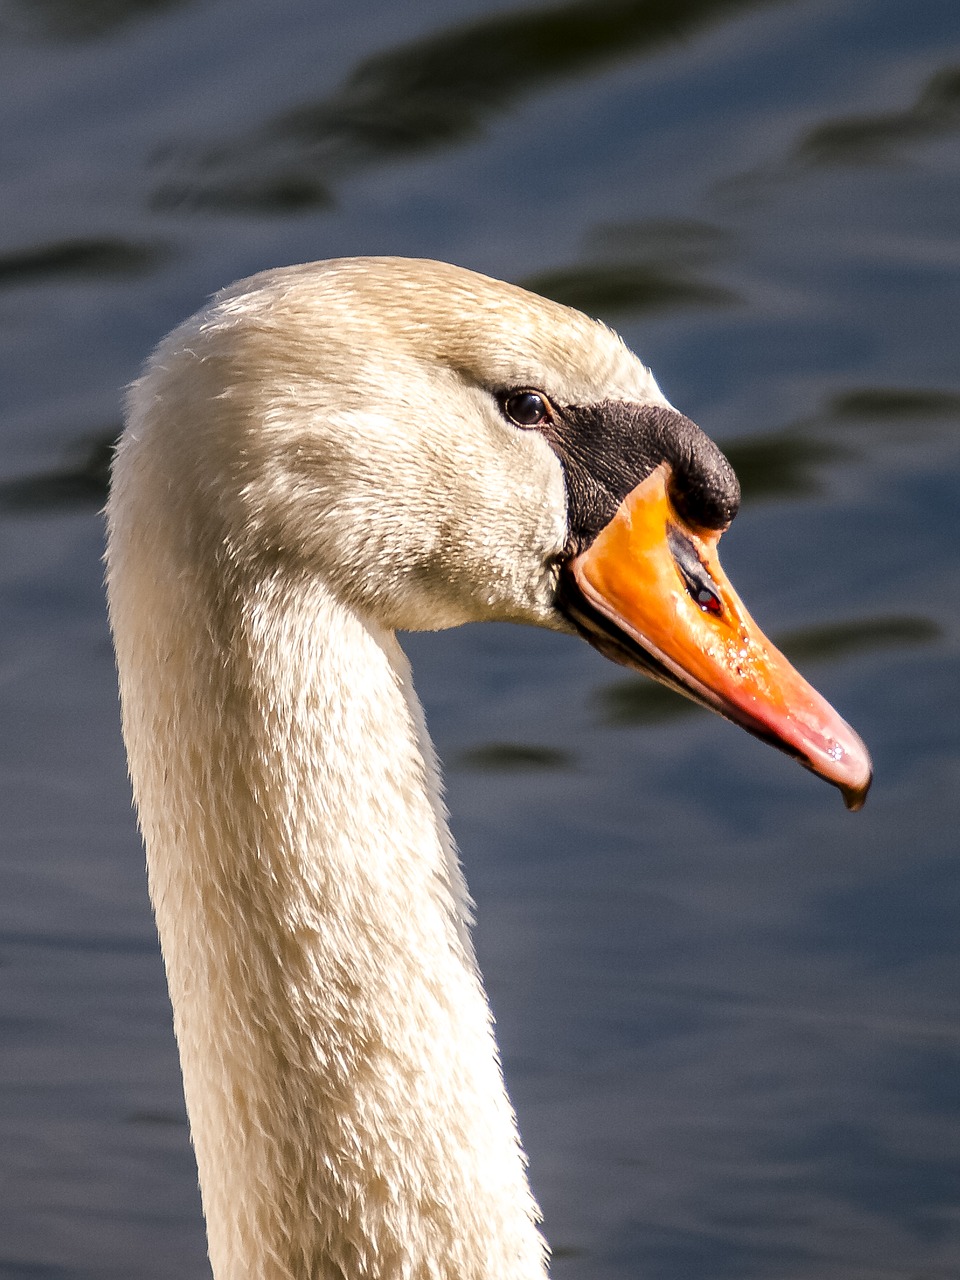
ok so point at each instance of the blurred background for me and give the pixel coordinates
(728, 1009)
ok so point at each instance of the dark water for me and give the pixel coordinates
(729, 1011)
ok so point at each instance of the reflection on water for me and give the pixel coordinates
(645, 266)
(94, 259)
(612, 288)
(176, 1118)
(870, 139)
(511, 757)
(431, 94)
(884, 404)
(845, 638)
(82, 485)
(73, 19)
(728, 1011)
(636, 700)
(785, 464)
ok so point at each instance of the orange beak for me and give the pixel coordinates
(649, 592)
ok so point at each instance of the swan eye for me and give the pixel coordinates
(526, 408)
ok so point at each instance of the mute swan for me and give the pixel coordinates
(325, 454)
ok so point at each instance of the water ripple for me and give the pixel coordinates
(429, 94)
(868, 139)
(74, 19)
(96, 258)
(82, 485)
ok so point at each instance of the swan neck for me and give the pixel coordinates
(342, 1082)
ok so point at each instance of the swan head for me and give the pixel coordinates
(440, 447)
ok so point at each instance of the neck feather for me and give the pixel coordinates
(341, 1076)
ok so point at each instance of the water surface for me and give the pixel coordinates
(728, 1010)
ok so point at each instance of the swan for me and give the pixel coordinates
(326, 454)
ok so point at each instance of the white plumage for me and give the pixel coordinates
(317, 459)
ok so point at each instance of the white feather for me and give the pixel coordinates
(310, 463)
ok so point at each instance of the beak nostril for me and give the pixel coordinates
(700, 586)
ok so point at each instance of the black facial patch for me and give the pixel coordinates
(607, 449)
